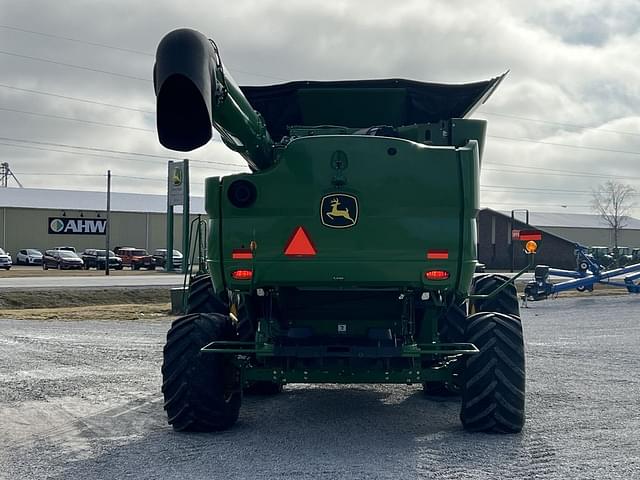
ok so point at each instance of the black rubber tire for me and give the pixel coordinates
(203, 299)
(196, 386)
(505, 302)
(453, 322)
(263, 388)
(135, 266)
(451, 328)
(493, 381)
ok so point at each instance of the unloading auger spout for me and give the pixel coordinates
(195, 92)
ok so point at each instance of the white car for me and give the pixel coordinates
(29, 256)
(5, 260)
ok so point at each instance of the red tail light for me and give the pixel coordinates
(436, 275)
(438, 255)
(242, 254)
(242, 274)
(300, 245)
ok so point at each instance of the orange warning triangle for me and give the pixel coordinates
(300, 244)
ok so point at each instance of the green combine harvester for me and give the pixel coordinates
(347, 255)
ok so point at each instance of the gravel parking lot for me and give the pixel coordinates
(80, 399)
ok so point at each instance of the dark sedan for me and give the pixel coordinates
(94, 258)
(61, 259)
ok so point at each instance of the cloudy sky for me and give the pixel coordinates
(76, 96)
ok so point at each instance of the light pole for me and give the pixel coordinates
(107, 227)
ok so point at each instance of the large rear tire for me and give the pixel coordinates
(506, 301)
(451, 326)
(453, 322)
(201, 390)
(203, 299)
(493, 386)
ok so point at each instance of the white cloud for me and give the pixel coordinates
(570, 64)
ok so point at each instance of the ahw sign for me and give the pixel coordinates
(77, 226)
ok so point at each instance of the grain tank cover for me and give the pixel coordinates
(364, 103)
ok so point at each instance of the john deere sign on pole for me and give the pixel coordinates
(178, 194)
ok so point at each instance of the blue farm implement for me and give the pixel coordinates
(587, 274)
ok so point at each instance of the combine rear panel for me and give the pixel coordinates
(379, 228)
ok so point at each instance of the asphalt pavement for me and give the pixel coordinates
(69, 280)
(82, 400)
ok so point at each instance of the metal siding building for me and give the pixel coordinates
(588, 230)
(137, 220)
(560, 234)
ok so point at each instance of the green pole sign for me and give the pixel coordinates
(177, 194)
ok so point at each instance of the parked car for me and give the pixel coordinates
(61, 259)
(136, 258)
(29, 256)
(69, 249)
(160, 258)
(5, 260)
(96, 258)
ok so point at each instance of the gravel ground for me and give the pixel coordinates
(80, 399)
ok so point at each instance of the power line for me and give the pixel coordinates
(102, 45)
(554, 174)
(529, 205)
(85, 154)
(76, 40)
(530, 140)
(79, 120)
(71, 65)
(563, 172)
(122, 49)
(73, 174)
(535, 189)
(118, 152)
(40, 92)
(571, 125)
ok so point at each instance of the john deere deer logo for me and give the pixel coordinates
(177, 176)
(339, 210)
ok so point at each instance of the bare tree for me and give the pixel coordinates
(613, 201)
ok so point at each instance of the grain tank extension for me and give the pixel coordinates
(347, 254)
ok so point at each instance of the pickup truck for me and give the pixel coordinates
(136, 258)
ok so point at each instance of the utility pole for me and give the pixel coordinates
(5, 173)
(107, 229)
(513, 244)
(185, 219)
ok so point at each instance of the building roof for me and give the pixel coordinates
(569, 220)
(75, 200)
